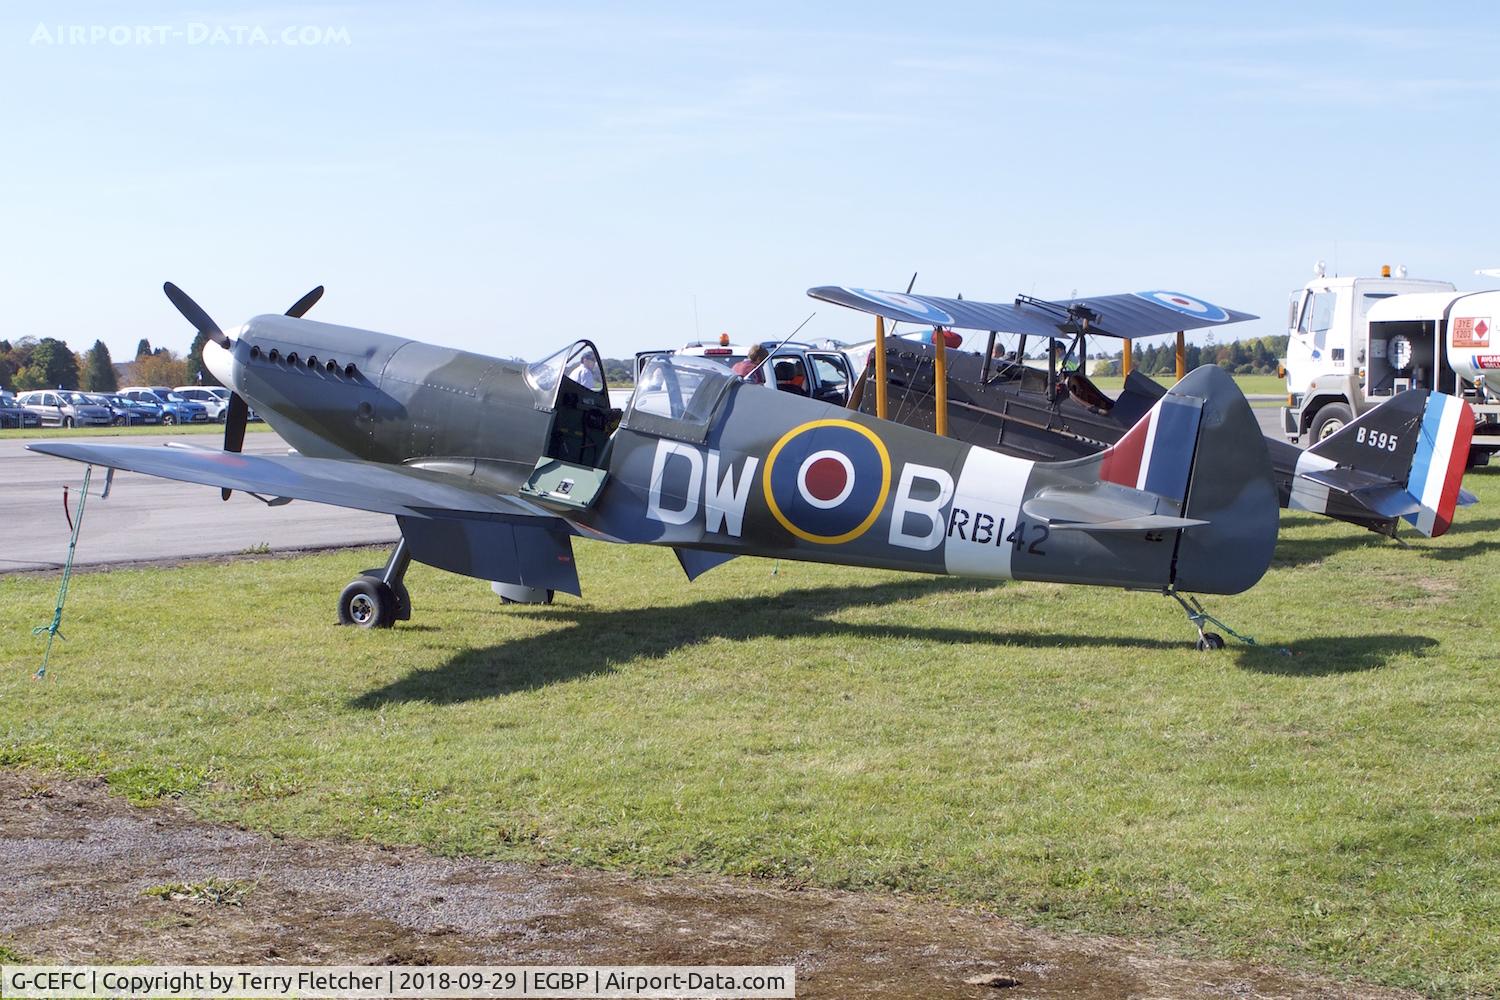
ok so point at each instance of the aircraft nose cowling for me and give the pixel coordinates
(220, 362)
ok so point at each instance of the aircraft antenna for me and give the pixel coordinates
(783, 342)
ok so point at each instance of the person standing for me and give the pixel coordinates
(751, 369)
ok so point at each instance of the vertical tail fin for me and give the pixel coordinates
(1402, 459)
(1185, 499)
(1437, 468)
(1156, 455)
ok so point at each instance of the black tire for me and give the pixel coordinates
(367, 603)
(67, 423)
(1329, 421)
(168, 419)
(403, 597)
(1478, 458)
(1210, 640)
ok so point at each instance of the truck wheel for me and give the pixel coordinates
(1330, 420)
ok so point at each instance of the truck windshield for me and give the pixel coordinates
(1318, 316)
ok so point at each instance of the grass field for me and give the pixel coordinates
(1250, 385)
(1060, 755)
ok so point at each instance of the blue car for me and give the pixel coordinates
(175, 409)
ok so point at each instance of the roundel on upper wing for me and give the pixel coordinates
(827, 480)
(1187, 305)
(906, 303)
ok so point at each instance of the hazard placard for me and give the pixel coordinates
(1471, 331)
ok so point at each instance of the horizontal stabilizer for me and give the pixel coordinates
(1373, 492)
(1102, 507)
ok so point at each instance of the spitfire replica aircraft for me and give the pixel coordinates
(490, 467)
(1401, 460)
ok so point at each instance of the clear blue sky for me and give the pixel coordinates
(507, 177)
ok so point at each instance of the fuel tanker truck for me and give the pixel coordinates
(1355, 342)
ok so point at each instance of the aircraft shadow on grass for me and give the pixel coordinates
(1322, 656)
(596, 641)
(1292, 551)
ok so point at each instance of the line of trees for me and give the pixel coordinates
(49, 363)
(1256, 356)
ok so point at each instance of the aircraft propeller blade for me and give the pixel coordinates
(235, 419)
(302, 305)
(194, 314)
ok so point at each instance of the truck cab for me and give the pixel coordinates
(1327, 351)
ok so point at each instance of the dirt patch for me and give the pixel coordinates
(89, 878)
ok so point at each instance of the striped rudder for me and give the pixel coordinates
(1437, 467)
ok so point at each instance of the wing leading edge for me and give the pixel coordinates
(383, 489)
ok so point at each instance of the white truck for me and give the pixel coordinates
(1357, 341)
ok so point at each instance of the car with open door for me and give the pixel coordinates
(822, 372)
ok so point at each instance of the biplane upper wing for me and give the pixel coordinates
(1130, 314)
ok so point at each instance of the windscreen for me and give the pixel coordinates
(678, 395)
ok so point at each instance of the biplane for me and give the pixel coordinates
(1401, 461)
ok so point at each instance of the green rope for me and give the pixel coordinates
(54, 629)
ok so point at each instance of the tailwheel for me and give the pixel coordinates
(1198, 617)
(367, 603)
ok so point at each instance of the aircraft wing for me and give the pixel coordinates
(1131, 314)
(372, 486)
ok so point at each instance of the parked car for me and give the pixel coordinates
(216, 405)
(127, 412)
(65, 408)
(820, 371)
(142, 411)
(14, 415)
(118, 415)
(175, 409)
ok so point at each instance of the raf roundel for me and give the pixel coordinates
(1187, 305)
(826, 481)
(916, 307)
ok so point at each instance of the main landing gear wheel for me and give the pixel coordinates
(377, 598)
(403, 598)
(367, 603)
